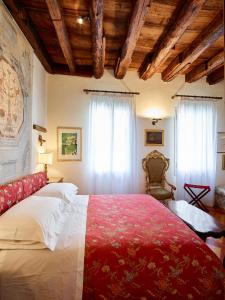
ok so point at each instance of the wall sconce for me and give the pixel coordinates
(155, 121)
(41, 140)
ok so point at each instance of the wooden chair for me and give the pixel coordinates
(155, 165)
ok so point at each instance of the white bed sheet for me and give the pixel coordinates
(44, 274)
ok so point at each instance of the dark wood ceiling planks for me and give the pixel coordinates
(145, 35)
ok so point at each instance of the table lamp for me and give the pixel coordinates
(46, 159)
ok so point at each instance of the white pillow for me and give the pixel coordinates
(61, 190)
(34, 223)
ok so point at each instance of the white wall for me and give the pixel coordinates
(68, 106)
(39, 108)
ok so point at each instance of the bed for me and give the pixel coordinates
(109, 247)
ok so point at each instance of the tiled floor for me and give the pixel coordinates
(217, 245)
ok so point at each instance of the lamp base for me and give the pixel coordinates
(46, 170)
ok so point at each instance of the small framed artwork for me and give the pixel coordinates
(69, 141)
(223, 162)
(221, 142)
(154, 137)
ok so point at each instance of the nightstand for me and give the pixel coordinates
(55, 179)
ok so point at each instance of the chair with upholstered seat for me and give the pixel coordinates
(155, 165)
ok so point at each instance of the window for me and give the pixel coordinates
(196, 144)
(112, 143)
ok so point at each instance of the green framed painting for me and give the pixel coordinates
(69, 143)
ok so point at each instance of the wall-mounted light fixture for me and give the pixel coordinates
(39, 128)
(41, 140)
(155, 121)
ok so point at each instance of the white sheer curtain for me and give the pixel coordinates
(112, 144)
(196, 146)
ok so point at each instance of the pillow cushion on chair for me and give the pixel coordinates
(160, 193)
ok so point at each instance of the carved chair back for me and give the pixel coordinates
(155, 165)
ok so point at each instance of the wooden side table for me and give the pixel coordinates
(55, 179)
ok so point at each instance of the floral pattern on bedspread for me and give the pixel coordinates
(137, 249)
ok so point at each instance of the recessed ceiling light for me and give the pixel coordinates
(80, 20)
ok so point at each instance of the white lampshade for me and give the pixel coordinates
(45, 158)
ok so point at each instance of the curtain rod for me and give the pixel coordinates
(111, 92)
(194, 96)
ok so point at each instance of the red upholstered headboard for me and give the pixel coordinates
(14, 192)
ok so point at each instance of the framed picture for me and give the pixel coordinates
(69, 143)
(154, 137)
(223, 162)
(221, 142)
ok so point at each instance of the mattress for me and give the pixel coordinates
(115, 247)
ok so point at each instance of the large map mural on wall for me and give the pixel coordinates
(11, 105)
(15, 99)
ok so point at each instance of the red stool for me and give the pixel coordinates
(196, 198)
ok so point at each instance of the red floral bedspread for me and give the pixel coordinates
(137, 249)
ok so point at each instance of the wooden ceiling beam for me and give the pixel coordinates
(183, 18)
(216, 76)
(25, 24)
(205, 68)
(98, 40)
(137, 20)
(60, 28)
(206, 38)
